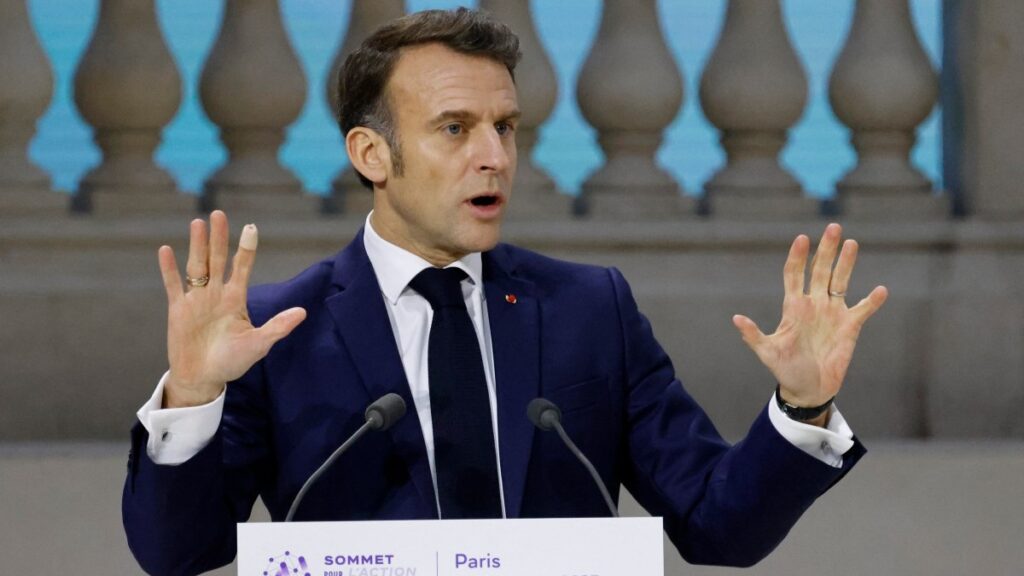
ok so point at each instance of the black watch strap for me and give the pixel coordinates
(801, 413)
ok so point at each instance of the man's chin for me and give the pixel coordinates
(485, 237)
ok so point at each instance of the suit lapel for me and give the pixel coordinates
(361, 319)
(513, 315)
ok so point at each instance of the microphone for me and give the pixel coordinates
(383, 413)
(380, 415)
(545, 415)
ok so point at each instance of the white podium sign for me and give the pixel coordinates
(522, 547)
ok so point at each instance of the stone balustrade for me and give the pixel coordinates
(25, 91)
(81, 310)
(127, 88)
(753, 90)
(252, 88)
(882, 88)
(630, 90)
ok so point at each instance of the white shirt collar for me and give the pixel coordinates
(395, 267)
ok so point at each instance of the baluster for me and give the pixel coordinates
(252, 87)
(24, 187)
(753, 90)
(630, 89)
(348, 195)
(882, 87)
(127, 88)
(534, 194)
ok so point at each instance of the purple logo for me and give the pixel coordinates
(286, 564)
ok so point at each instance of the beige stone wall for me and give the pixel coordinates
(82, 337)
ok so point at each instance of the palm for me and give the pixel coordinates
(210, 339)
(813, 344)
(811, 349)
(210, 333)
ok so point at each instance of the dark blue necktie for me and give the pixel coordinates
(464, 455)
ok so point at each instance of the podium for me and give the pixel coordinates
(515, 547)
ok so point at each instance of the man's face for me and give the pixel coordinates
(455, 118)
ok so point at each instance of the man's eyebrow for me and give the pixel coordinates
(448, 115)
(466, 115)
(513, 115)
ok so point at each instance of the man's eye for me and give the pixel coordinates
(453, 129)
(504, 128)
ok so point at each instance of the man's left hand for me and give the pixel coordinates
(811, 349)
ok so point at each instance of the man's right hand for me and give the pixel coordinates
(210, 339)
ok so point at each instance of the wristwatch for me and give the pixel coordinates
(798, 412)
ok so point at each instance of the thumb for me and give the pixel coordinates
(749, 331)
(280, 326)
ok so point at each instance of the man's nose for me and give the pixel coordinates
(491, 152)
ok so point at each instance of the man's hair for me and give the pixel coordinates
(363, 79)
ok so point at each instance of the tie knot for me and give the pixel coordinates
(440, 286)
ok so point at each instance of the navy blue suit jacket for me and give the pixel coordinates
(573, 335)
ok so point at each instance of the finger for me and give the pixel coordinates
(280, 326)
(197, 265)
(169, 272)
(869, 305)
(751, 334)
(844, 268)
(824, 256)
(218, 245)
(241, 267)
(754, 338)
(796, 263)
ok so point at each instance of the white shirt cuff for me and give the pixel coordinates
(177, 434)
(826, 444)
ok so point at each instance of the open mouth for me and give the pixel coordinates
(485, 200)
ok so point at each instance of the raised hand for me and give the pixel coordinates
(210, 339)
(811, 349)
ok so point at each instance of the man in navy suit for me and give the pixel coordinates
(265, 383)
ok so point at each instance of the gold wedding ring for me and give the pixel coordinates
(197, 282)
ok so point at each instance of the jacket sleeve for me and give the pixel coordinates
(722, 504)
(180, 519)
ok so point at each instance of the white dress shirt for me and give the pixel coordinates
(177, 434)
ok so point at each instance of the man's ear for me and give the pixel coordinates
(369, 153)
